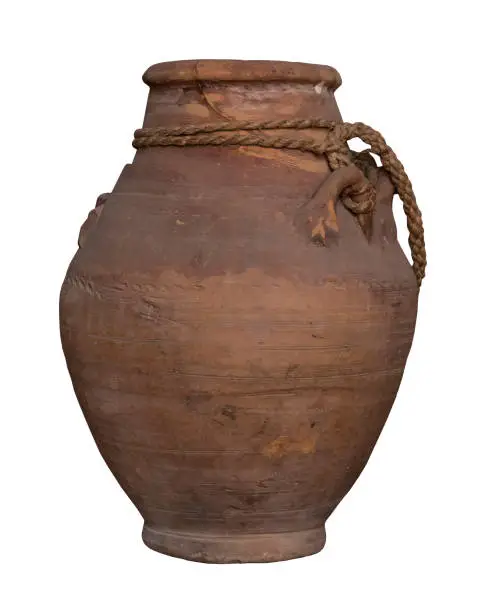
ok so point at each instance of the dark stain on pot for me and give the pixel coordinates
(230, 412)
(262, 429)
(291, 369)
(194, 400)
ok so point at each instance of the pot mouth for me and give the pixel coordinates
(218, 71)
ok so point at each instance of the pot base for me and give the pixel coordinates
(251, 548)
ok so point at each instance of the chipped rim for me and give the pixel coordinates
(186, 71)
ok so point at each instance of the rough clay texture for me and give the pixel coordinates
(235, 373)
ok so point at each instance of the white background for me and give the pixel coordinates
(410, 535)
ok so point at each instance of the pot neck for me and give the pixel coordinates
(206, 91)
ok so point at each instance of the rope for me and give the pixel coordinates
(359, 200)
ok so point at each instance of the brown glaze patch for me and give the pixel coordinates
(198, 110)
(283, 445)
(307, 163)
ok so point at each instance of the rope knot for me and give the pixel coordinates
(360, 199)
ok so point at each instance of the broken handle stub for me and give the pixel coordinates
(92, 219)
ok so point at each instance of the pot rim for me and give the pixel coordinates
(194, 71)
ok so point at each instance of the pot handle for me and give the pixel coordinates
(356, 193)
(92, 219)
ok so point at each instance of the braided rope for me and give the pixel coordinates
(334, 146)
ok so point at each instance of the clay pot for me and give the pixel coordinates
(234, 371)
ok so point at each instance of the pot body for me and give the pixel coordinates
(235, 374)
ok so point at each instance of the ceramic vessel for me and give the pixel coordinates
(234, 372)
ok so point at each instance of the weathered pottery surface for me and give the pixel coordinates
(235, 373)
